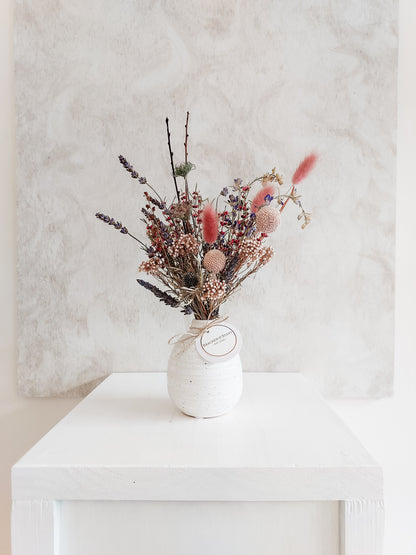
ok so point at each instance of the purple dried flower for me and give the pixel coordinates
(111, 221)
(161, 295)
(130, 169)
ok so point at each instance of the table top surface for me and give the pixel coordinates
(280, 421)
(281, 424)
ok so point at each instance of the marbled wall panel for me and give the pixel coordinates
(265, 82)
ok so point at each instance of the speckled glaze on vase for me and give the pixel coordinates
(199, 388)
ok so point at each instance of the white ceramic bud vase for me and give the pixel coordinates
(199, 388)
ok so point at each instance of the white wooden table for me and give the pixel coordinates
(125, 472)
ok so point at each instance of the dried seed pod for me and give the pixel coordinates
(190, 280)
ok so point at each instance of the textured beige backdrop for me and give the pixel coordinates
(265, 83)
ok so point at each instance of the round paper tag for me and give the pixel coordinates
(219, 342)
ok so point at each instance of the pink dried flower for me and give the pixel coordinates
(214, 261)
(180, 210)
(258, 200)
(214, 290)
(210, 224)
(304, 168)
(183, 245)
(267, 219)
(150, 266)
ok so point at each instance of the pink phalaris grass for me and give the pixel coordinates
(209, 224)
(304, 168)
(258, 200)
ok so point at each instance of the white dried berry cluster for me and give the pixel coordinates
(150, 266)
(183, 245)
(266, 255)
(252, 251)
(249, 250)
(214, 290)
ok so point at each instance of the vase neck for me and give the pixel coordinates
(199, 324)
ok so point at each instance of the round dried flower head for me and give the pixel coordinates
(214, 289)
(267, 219)
(190, 280)
(214, 261)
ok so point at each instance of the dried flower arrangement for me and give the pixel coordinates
(201, 252)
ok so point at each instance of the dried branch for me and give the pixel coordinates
(186, 137)
(171, 160)
(186, 154)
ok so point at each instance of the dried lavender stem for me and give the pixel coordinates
(138, 240)
(135, 175)
(154, 190)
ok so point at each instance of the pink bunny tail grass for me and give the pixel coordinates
(209, 224)
(258, 200)
(304, 168)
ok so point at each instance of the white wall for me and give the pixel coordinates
(81, 100)
(22, 421)
(388, 427)
(384, 426)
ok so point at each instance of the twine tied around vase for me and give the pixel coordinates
(182, 337)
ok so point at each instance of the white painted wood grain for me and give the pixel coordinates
(361, 527)
(35, 527)
(205, 484)
(195, 528)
